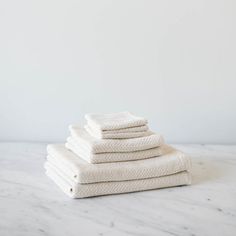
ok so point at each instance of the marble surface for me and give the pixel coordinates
(31, 204)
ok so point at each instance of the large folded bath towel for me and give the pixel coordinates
(114, 121)
(133, 132)
(76, 190)
(95, 145)
(94, 158)
(82, 172)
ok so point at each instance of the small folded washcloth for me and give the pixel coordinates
(133, 132)
(76, 190)
(78, 170)
(94, 158)
(114, 121)
(95, 145)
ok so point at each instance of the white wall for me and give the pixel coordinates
(173, 62)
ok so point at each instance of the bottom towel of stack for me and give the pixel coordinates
(79, 179)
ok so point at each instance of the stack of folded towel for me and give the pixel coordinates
(115, 153)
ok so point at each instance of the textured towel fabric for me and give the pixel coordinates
(76, 190)
(127, 130)
(82, 172)
(85, 154)
(118, 134)
(114, 121)
(95, 145)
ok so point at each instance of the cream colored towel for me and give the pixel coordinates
(133, 132)
(114, 121)
(76, 190)
(85, 154)
(82, 172)
(95, 145)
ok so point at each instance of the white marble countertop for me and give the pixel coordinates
(31, 204)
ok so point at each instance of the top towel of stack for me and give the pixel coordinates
(116, 126)
(114, 137)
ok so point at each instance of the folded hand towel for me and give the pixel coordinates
(82, 172)
(114, 121)
(95, 145)
(117, 134)
(76, 190)
(90, 157)
(127, 130)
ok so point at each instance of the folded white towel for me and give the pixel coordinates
(95, 145)
(114, 121)
(127, 130)
(82, 172)
(90, 157)
(117, 134)
(76, 190)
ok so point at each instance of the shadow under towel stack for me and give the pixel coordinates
(115, 153)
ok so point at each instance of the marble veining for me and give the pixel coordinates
(31, 204)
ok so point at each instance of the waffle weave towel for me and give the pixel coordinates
(107, 157)
(76, 190)
(133, 132)
(82, 172)
(95, 145)
(114, 121)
